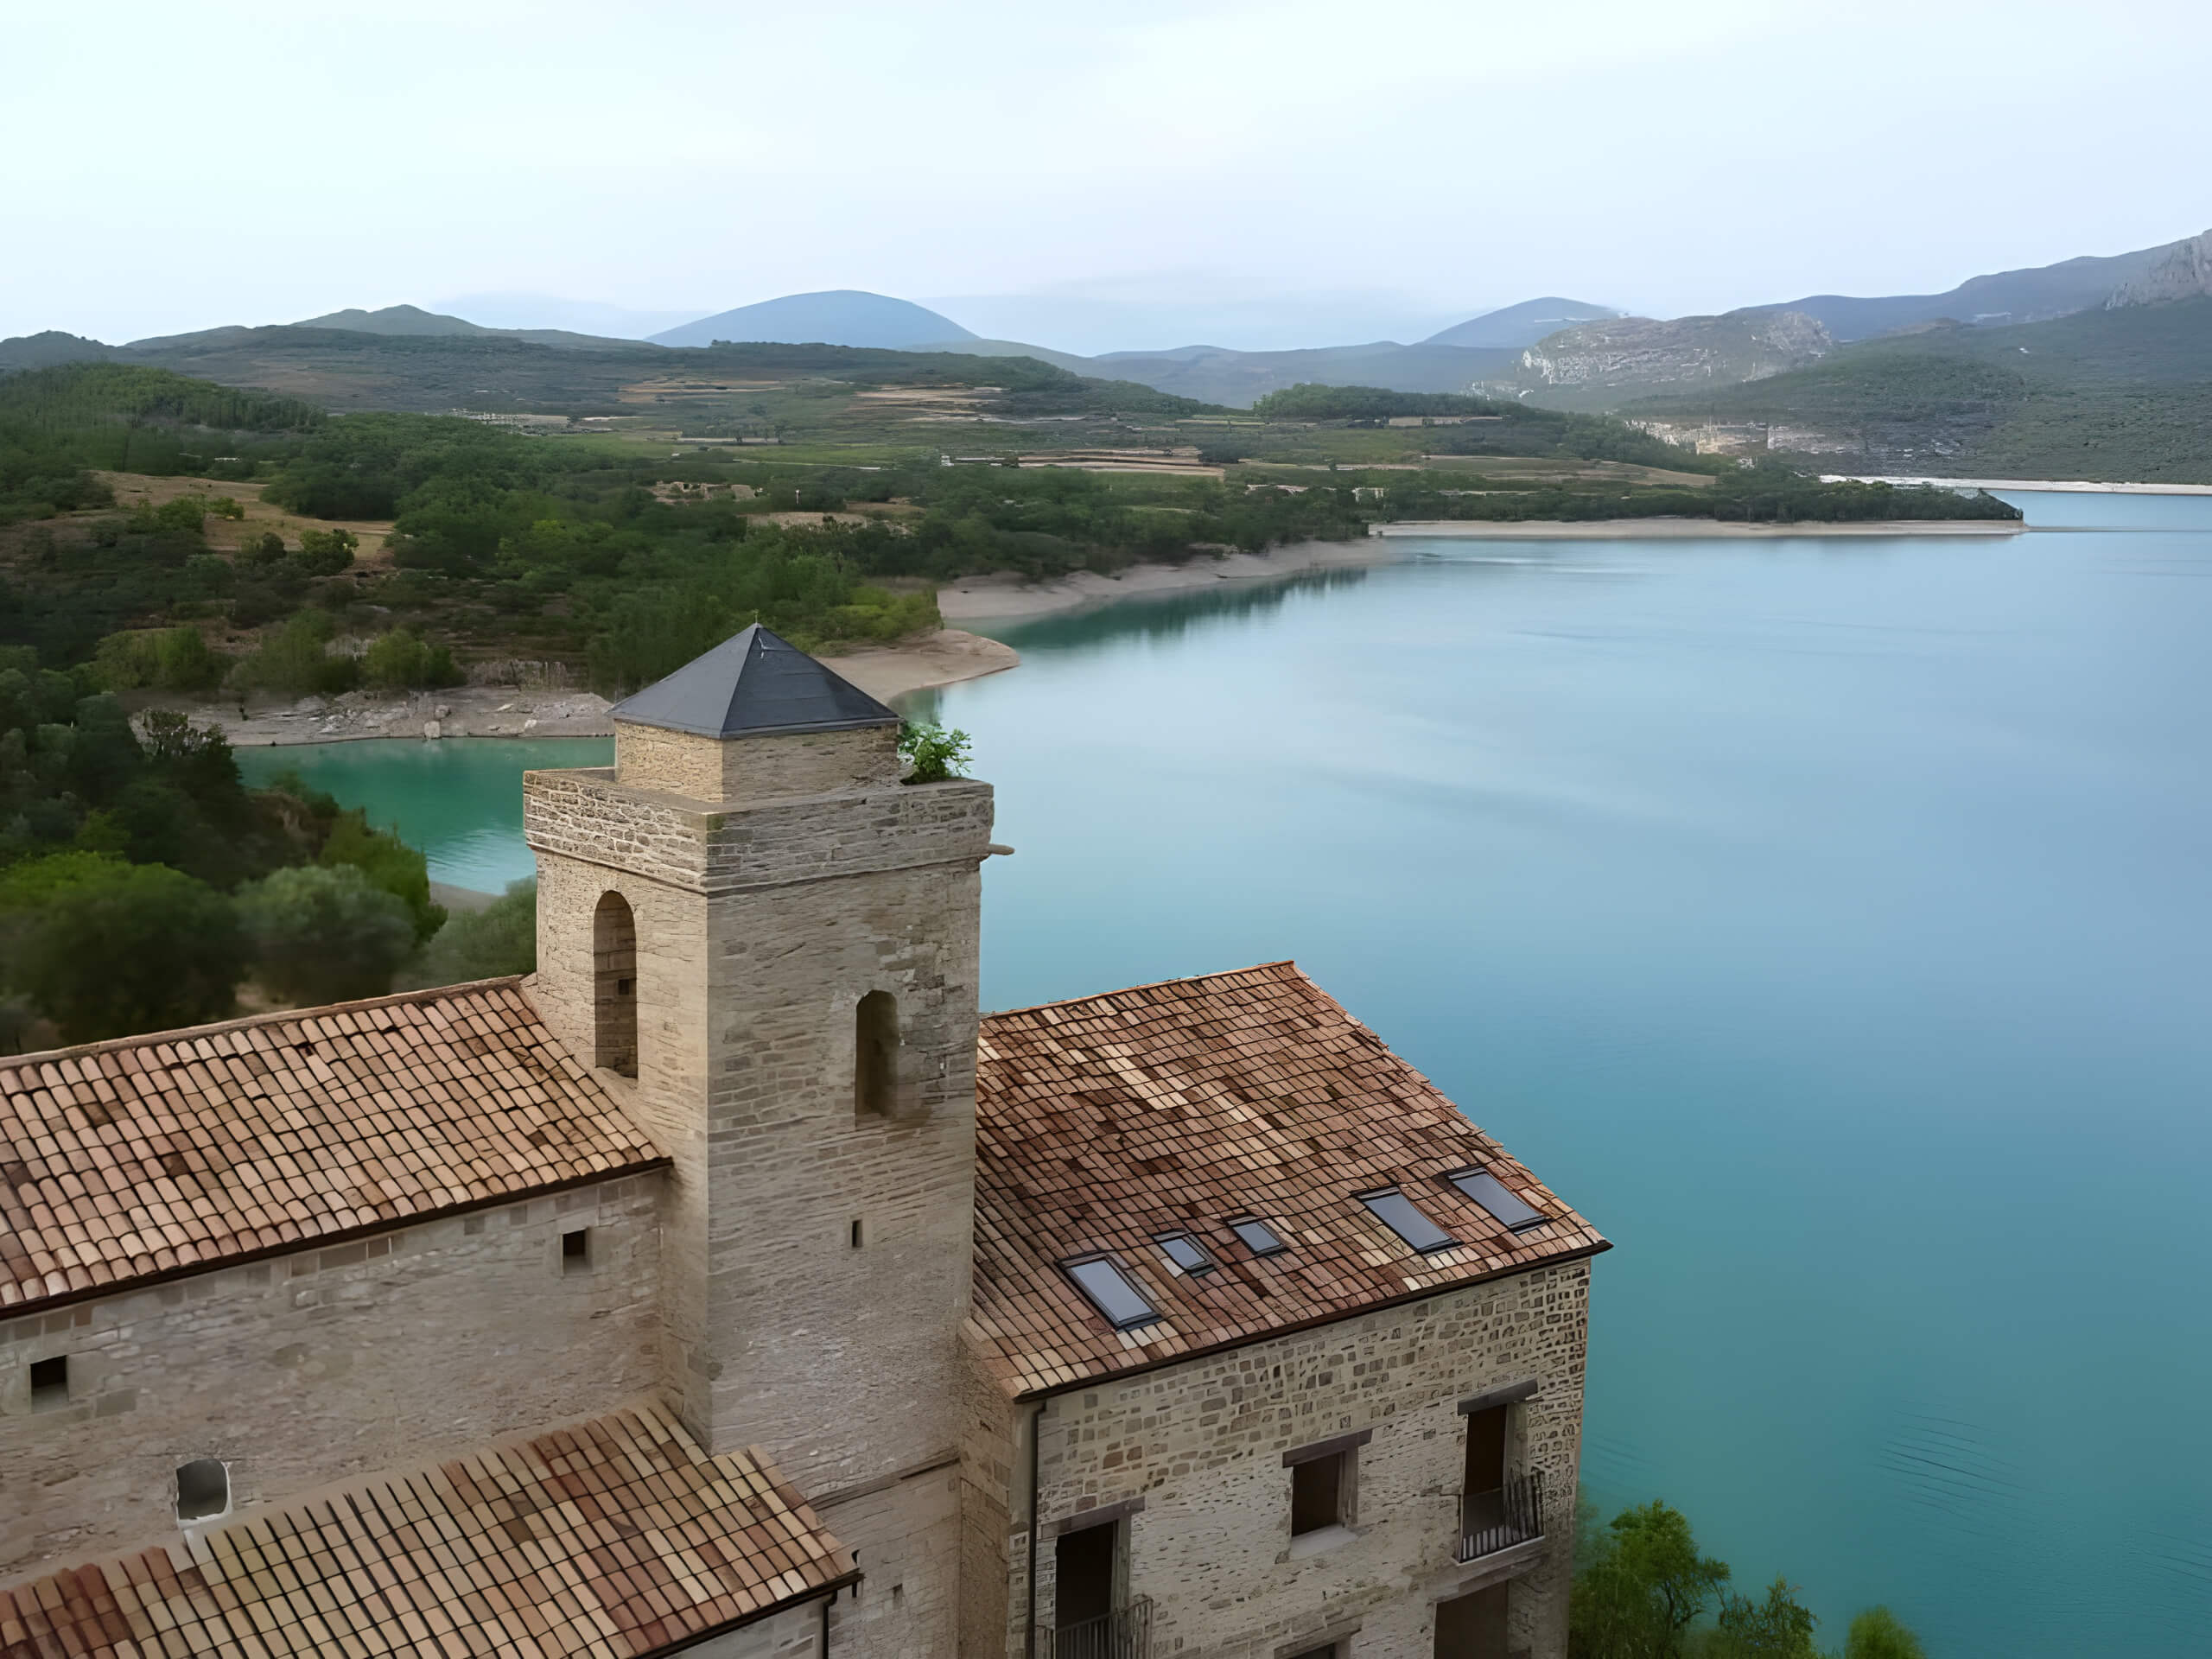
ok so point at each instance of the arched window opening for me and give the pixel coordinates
(875, 1054)
(615, 985)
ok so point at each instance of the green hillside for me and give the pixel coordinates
(2119, 394)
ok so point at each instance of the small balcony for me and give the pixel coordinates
(1506, 1516)
(1123, 1634)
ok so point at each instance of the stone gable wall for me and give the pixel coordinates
(1201, 1444)
(323, 1364)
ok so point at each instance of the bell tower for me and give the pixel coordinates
(765, 946)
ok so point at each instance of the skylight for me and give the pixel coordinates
(1112, 1291)
(1258, 1237)
(1185, 1253)
(1489, 1192)
(1396, 1212)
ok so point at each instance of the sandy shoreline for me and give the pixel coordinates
(508, 711)
(953, 654)
(1641, 529)
(1002, 598)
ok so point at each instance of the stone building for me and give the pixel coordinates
(728, 1287)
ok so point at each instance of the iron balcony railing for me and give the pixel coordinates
(1125, 1634)
(1512, 1514)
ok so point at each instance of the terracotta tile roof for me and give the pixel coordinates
(1105, 1121)
(131, 1160)
(612, 1538)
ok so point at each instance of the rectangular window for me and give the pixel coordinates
(1396, 1212)
(576, 1251)
(1112, 1291)
(1258, 1237)
(1486, 1190)
(1085, 1564)
(1185, 1253)
(1317, 1494)
(49, 1382)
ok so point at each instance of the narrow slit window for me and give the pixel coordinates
(1398, 1213)
(1486, 1190)
(615, 985)
(1258, 1237)
(1185, 1253)
(576, 1251)
(875, 1054)
(203, 1489)
(49, 1382)
(1113, 1293)
(856, 1232)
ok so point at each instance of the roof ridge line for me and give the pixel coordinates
(248, 1021)
(1290, 962)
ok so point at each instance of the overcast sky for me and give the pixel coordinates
(1133, 174)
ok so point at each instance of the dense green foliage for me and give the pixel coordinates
(1306, 402)
(119, 853)
(1501, 428)
(1769, 493)
(933, 754)
(57, 424)
(1877, 1633)
(102, 947)
(1643, 1590)
(324, 933)
(501, 938)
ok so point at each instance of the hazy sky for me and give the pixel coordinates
(1137, 174)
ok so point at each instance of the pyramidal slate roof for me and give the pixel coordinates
(751, 685)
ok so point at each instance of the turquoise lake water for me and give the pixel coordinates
(1826, 919)
(459, 799)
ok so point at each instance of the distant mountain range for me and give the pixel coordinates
(1565, 351)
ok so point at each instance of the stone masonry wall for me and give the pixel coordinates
(754, 769)
(585, 815)
(760, 928)
(1201, 1443)
(323, 1364)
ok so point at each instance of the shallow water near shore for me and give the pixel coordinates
(459, 799)
(1826, 919)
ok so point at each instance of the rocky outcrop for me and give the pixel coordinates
(1641, 355)
(2185, 273)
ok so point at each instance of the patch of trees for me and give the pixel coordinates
(1769, 493)
(1643, 1590)
(59, 423)
(141, 883)
(1307, 401)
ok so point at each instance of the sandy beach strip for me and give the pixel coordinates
(2077, 486)
(939, 658)
(1648, 530)
(1005, 598)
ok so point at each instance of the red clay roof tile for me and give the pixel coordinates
(1105, 1121)
(281, 1130)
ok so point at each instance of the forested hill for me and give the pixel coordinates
(2122, 394)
